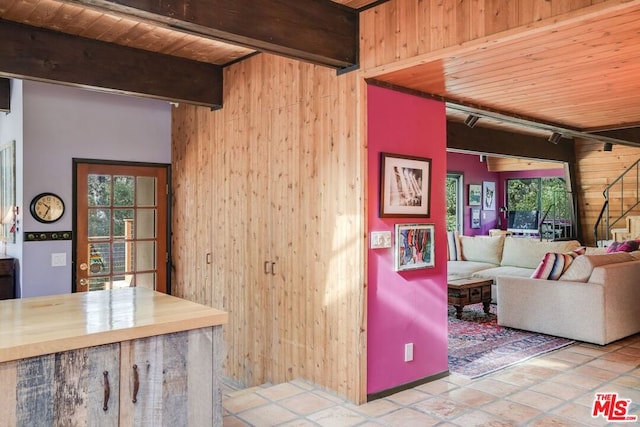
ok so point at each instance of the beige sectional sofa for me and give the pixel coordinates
(493, 256)
(596, 300)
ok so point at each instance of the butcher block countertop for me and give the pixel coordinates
(43, 325)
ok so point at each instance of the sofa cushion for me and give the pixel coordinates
(554, 264)
(482, 248)
(591, 250)
(581, 268)
(527, 253)
(453, 246)
(463, 269)
(626, 246)
(493, 273)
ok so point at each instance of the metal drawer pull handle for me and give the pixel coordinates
(107, 390)
(136, 383)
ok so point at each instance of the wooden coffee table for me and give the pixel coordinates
(463, 292)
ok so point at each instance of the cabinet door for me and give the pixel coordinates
(168, 380)
(63, 389)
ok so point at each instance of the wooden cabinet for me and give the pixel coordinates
(170, 380)
(269, 188)
(77, 387)
(164, 380)
(126, 357)
(7, 278)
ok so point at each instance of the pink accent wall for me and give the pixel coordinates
(410, 306)
(475, 172)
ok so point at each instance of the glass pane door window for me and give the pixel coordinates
(121, 233)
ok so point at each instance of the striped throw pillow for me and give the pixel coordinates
(454, 252)
(554, 264)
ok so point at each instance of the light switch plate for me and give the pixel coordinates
(380, 239)
(58, 260)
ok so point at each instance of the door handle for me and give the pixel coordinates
(273, 268)
(107, 391)
(136, 384)
(266, 267)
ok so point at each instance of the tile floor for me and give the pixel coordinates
(555, 389)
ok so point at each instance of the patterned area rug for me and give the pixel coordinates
(478, 346)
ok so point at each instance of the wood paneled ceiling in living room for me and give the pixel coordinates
(578, 73)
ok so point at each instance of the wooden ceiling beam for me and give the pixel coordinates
(317, 31)
(481, 140)
(629, 134)
(5, 95)
(37, 54)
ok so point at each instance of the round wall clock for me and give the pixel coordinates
(47, 207)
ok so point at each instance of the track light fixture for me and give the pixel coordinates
(608, 146)
(555, 137)
(471, 120)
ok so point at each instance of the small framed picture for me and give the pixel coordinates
(404, 186)
(475, 217)
(489, 196)
(475, 194)
(414, 246)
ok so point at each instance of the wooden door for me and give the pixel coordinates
(121, 226)
(168, 380)
(77, 387)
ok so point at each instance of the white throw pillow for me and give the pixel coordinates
(527, 253)
(581, 268)
(482, 248)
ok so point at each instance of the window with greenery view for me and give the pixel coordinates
(454, 193)
(543, 195)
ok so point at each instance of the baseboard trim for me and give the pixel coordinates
(407, 386)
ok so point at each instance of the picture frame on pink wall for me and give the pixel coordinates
(475, 218)
(489, 196)
(405, 186)
(475, 194)
(414, 246)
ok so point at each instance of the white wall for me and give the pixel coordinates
(62, 123)
(11, 130)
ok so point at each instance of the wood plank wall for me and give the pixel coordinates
(595, 170)
(278, 175)
(273, 182)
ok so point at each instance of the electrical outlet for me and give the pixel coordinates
(380, 239)
(408, 352)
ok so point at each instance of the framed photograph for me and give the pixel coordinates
(475, 194)
(414, 246)
(489, 196)
(405, 186)
(475, 217)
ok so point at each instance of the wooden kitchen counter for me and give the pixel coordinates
(44, 325)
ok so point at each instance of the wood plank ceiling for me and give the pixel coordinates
(578, 74)
(49, 40)
(80, 19)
